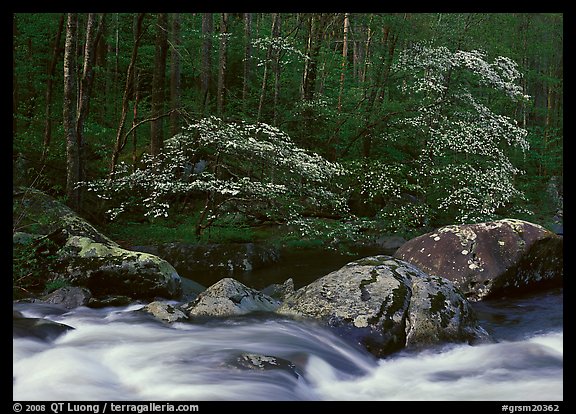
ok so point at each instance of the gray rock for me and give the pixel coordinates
(37, 328)
(280, 291)
(230, 297)
(69, 297)
(165, 312)
(85, 257)
(111, 270)
(489, 259)
(385, 305)
(257, 362)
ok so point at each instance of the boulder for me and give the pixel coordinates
(70, 297)
(165, 312)
(41, 214)
(385, 305)
(85, 257)
(37, 328)
(108, 269)
(258, 362)
(489, 259)
(280, 291)
(229, 297)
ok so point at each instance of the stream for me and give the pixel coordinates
(119, 354)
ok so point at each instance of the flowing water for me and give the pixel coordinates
(122, 354)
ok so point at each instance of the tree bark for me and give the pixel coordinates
(266, 65)
(247, 59)
(93, 35)
(15, 102)
(69, 111)
(222, 58)
(158, 80)
(206, 72)
(276, 69)
(175, 74)
(120, 140)
(344, 58)
(49, 88)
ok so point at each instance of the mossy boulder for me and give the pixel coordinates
(109, 269)
(386, 305)
(489, 259)
(82, 256)
(40, 214)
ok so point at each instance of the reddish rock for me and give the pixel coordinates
(489, 259)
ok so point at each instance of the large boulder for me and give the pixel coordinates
(40, 214)
(385, 305)
(83, 256)
(229, 297)
(109, 269)
(37, 328)
(489, 259)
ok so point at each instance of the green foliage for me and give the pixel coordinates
(56, 284)
(426, 132)
(32, 264)
(180, 229)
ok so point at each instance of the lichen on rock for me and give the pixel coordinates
(386, 304)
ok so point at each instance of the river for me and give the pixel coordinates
(121, 354)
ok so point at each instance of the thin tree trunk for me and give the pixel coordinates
(120, 141)
(344, 58)
(158, 80)
(276, 68)
(266, 65)
(206, 72)
(222, 58)
(49, 88)
(175, 75)
(134, 123)
(367, 51)
(93, 34)
(69, 111)
(247, 59)
(15, 102)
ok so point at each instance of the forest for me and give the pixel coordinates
(318, 128)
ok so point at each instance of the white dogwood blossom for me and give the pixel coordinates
(232, 166)
(464, 164)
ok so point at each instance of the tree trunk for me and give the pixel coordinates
(93, 35)
(175, 75)
(344, 58)
(206, 72)
(135, 123)
(157, 102)
(276, 68)
(265, 75)
(247, 59)
(222, 57)
(49, 87)
(69, 111)
(120, 141)
(15, 101)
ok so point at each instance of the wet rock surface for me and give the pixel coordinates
(489, 259)
(386, 304)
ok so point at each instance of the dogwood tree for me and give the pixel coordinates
(464, 165)
(254, 169)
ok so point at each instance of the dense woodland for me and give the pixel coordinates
(337, 124)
